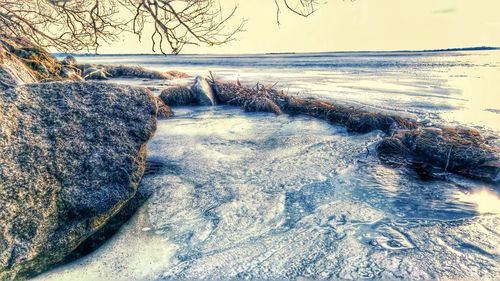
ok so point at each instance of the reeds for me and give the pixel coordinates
(451, 149)
(164, 110)
(442, 150)
(429, 151)
(178, 96)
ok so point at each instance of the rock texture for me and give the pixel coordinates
(73, 154)
(40, 64)
(203, 92)
(71, 73)
(99, 74)
(69, 60)
(12, 70)
(164, 110)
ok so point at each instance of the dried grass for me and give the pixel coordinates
(458, 150)
(164, 110)
(135, 72)
(178, 96)
(174, 74)
(261, 98)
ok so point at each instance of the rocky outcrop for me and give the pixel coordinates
(12, 70)
(41, 64)
(203, 92)
(72, 155)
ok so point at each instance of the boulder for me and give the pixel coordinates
(203, 92)
(87, 69)
(99, 74)
(41, 64)
(13, 71)
(164, 110)
(69, 60)
(72, 155)
(71, 73)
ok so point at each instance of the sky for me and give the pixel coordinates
(345, 25)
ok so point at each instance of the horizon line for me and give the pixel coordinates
(479, 48)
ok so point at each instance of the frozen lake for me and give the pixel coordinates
(255, 196)
(460, 87)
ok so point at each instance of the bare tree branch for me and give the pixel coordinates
(76, 25)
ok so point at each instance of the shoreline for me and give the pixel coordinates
(54, 96)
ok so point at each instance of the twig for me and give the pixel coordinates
(448, 160)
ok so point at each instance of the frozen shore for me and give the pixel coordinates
(252, 195)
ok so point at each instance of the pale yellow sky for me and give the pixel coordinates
(360, 25)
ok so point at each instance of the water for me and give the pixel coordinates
(255, 196)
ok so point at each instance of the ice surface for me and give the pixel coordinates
(457, 87)
(252, 195)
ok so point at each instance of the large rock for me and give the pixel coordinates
(70, 60)
(100, 74)
(40, 63)
(164, 111)
(71, 73)
(203, 92)
(12, 70)
(72, 155)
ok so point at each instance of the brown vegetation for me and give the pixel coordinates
(42, 64)
(459, 150)
(261, 98)
(174, 74)
(178, 96)
(250, 99)
(426, 150)
(125, 71)
(134, 71)
(164, 110)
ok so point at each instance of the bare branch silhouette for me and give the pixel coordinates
(83, 25)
